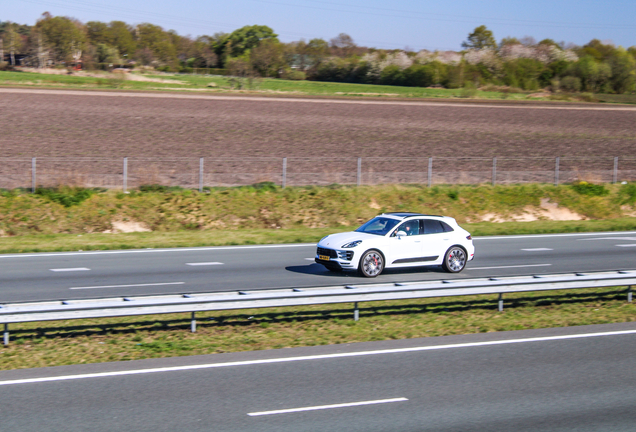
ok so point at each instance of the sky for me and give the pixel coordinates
(400, 24)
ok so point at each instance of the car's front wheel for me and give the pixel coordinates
(371, 263)
(454, 260)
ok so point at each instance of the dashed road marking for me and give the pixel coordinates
(127, 286)
(70, 269)
(536, 249)
(323, 407)
(504, 267)
(205, 263)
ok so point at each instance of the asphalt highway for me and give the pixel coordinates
(72, 275)
(558, 380)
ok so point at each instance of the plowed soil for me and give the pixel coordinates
(55, 125)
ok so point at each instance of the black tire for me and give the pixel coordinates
(455, 260)
(371, 264)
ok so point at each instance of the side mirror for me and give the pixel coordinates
(401, 234)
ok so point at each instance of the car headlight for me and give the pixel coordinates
(351, 244)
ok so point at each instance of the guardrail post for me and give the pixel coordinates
(430, 171)
(193, 323)
(629, 294)
(6, 334)
(494, 171)
(359, 171)
(284, 182)
(33, 175)
(500, 302)
(356, 312)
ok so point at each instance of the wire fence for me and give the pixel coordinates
(199, 173)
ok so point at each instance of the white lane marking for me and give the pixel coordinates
(513, 237)
(536, 249)
(314, 357)
(70, 269)
(127, 286)
(323, 407)
(310, 259)
(626, 245)
(111, 252)
(504, 267)
(610, 238)
(204, 263)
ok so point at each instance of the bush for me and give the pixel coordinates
(66, 196)
(159, 188)
(294, 75)
(628, 192)
(585, 188)
(571, 84)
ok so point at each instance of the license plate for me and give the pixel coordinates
(323, 257)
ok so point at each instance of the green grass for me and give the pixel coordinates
(260, 86)
(93, 341)
(66, 219)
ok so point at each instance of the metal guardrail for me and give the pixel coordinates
(192, 303)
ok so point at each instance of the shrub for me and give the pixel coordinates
(66, 196)
(571, 84)
(159, 188)
(628, 192)
(585, 188)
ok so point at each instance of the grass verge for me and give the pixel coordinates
(94, 341)
(280, 87)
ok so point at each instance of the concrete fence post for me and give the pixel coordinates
(615, 176)
(430, 171)
(494, 171)
(125, 173)
(6, 335)
(500, 306)
(193, 323)
(356, 312)
(284, 183)
(200, 174)
(556, 171)
(33, 178)
(359, 177)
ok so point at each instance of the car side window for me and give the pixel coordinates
(432, 226)
(411, 227)
(447, 227)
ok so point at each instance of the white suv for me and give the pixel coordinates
(393, 240)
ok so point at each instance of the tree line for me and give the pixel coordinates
(256, 51)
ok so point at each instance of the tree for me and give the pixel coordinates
(64, 35)
(121, 36)
(623, 71)
(244, 39)
(342, 45)
(268, 58)
(158, 42)
(480, 38)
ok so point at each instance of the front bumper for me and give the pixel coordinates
(338, 258)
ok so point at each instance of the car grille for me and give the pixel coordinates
(329, 252)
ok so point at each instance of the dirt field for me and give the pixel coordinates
(54, 124)
(63, 126)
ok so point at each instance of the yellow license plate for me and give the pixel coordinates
(323, 257)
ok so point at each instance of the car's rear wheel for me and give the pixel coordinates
(454, 260)
(371, 263)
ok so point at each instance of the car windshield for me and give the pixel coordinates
(378, 225)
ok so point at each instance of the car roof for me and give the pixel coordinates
(404, 215)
